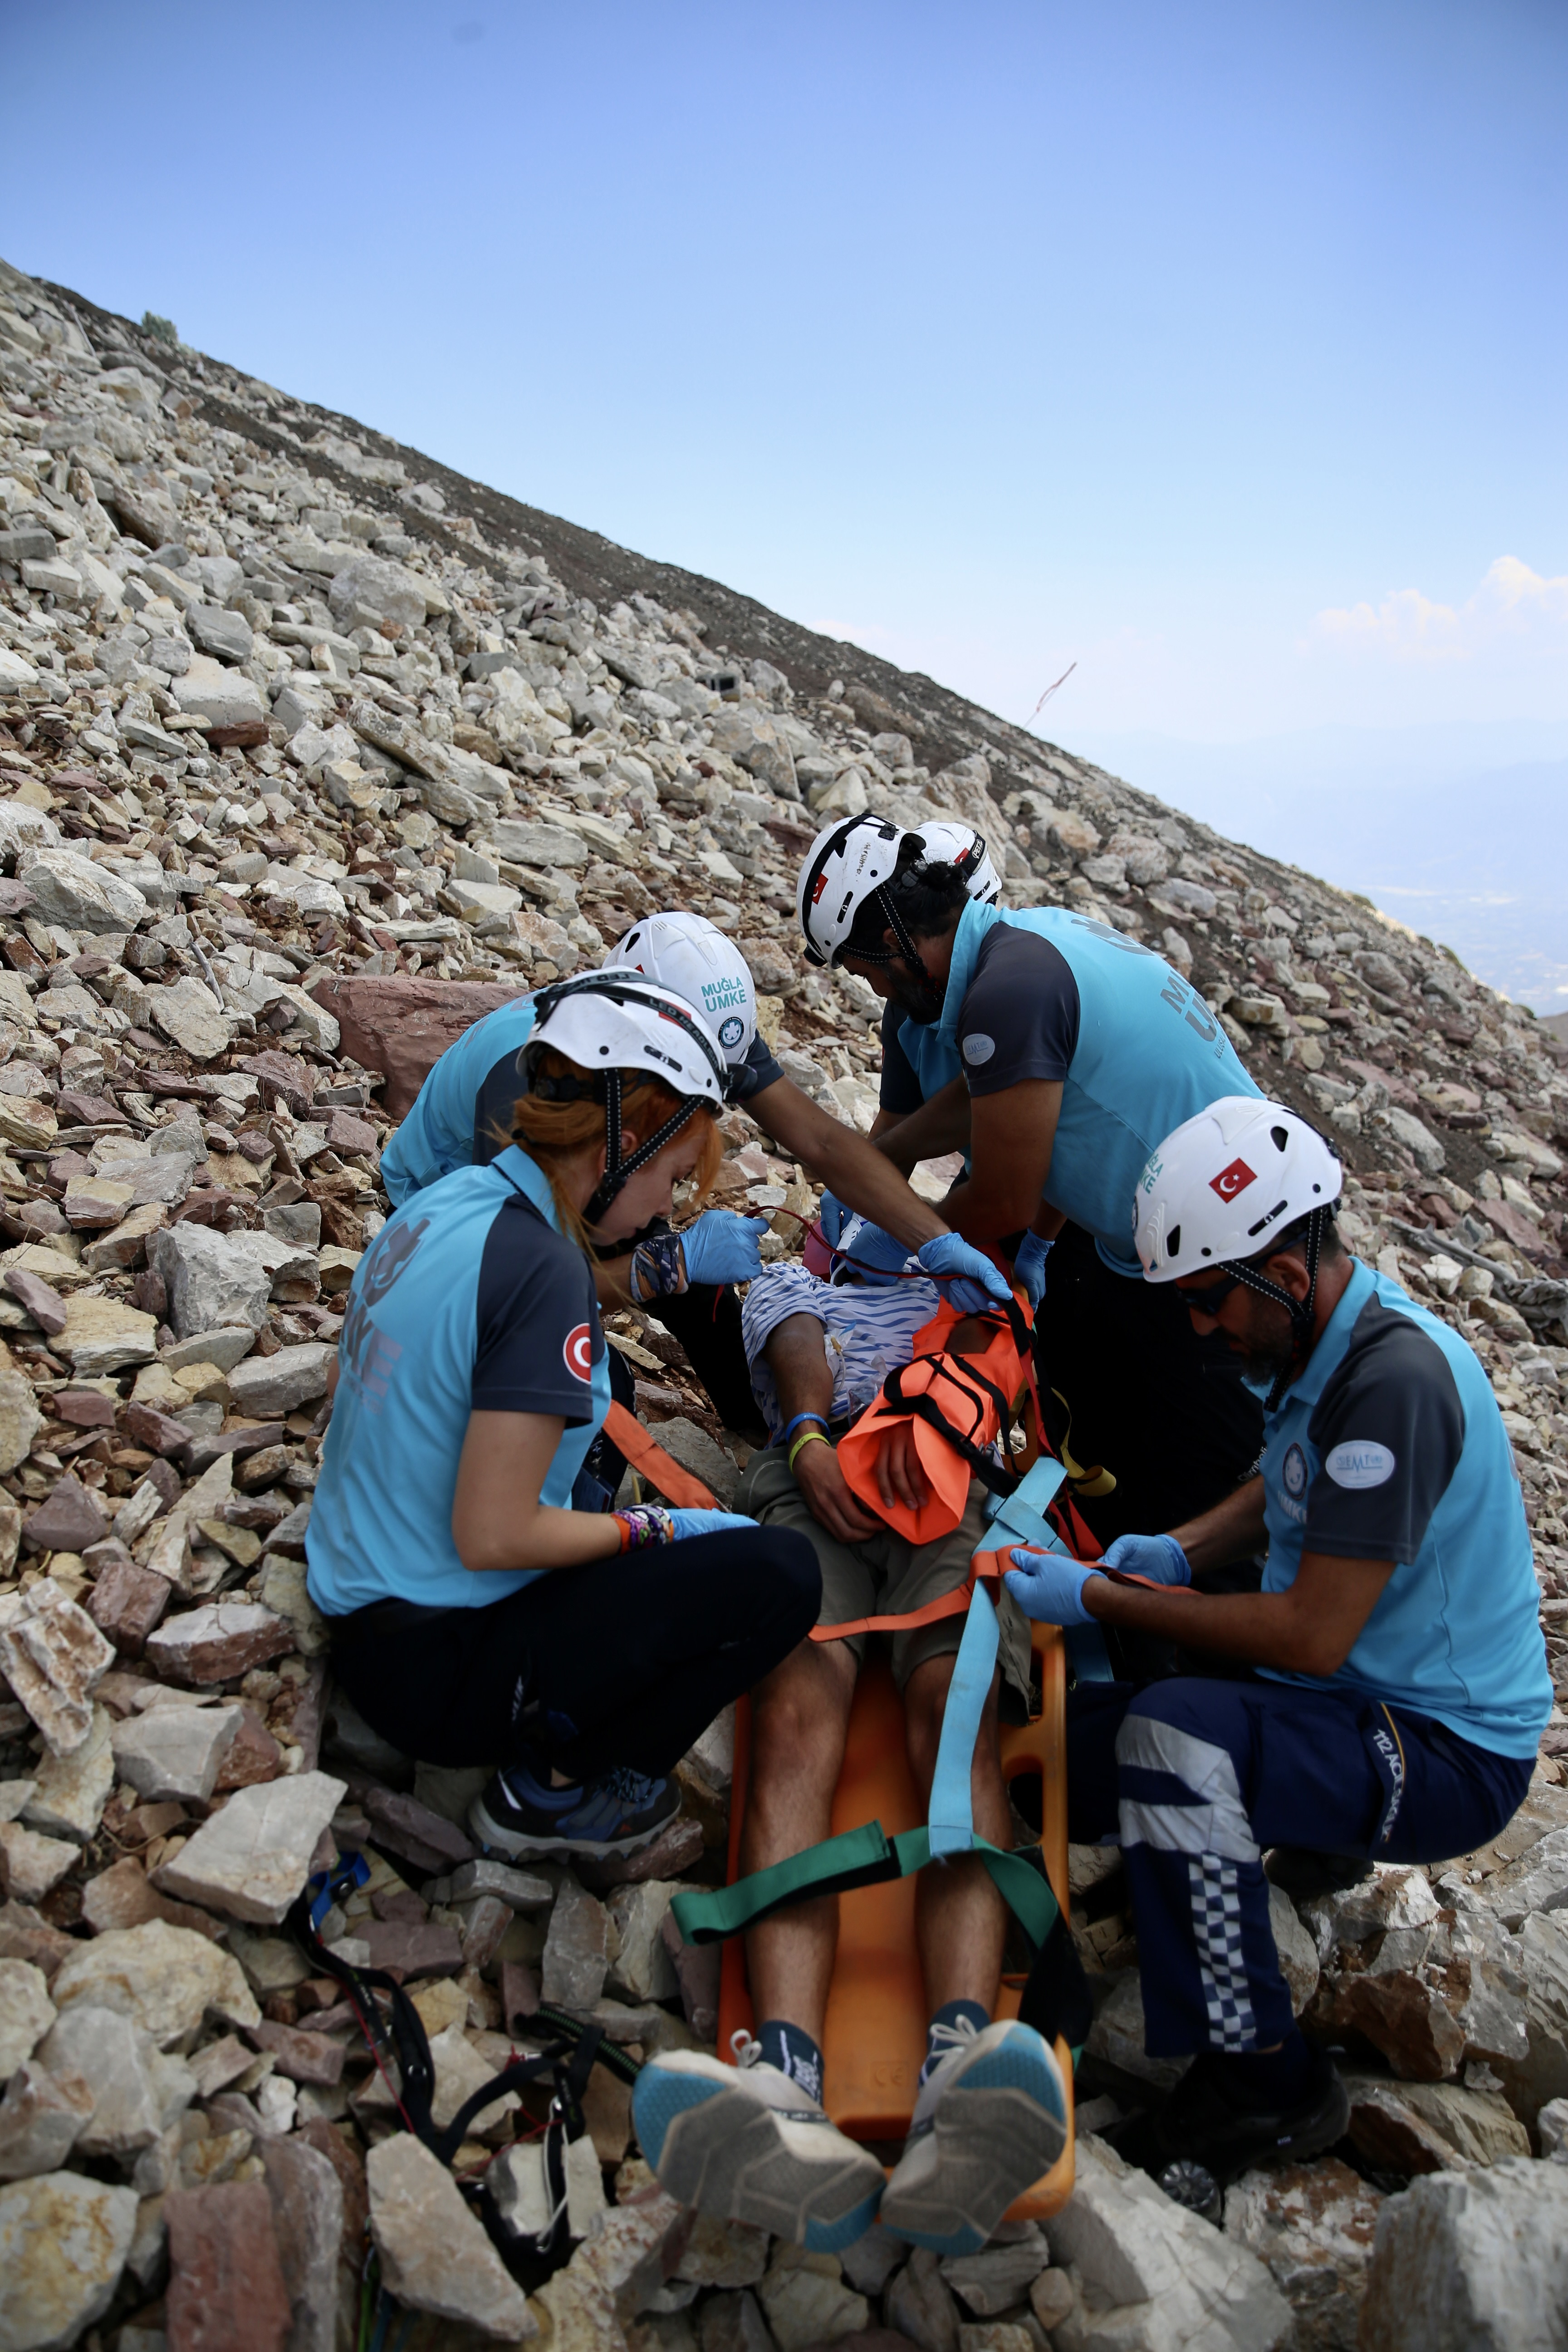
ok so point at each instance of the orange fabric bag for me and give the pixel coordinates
(969, 1391)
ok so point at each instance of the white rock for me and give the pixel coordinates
(1313, 2225)
(26, 2012)
(642, 1969)
(1472, 2261)
(223, 697)
(1176, 2282)
(79, 896)
(188, 1014)
(1296, 1950)
(53, 1655)
(211, 1279)
(517, 2182)
(72, 1791)
(251, 1860)
(267, 1387)
(40, 2117)
(167, 1979)
(435, 2256)
(63, 2243)
(112, 2053)
(173, 1753)
(33, 1866)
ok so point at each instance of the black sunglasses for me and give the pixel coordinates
(1210, 1299)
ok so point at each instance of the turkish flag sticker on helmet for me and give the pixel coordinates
(1233, 1180)
(578, 1351)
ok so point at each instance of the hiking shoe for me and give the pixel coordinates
(615, 1813)
(991, 2118)
(748, 2144)
(1199, 2127)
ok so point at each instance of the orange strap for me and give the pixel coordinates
(947, 1604)
(991, 1566)
(626, 1434)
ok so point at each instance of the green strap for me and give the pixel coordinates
(862, 1857)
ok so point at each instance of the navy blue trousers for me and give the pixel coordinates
(1196, 1779)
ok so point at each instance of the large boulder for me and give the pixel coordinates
(1473, 2261)
(403, 1026)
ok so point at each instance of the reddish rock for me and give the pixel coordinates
(83, 1407)
(347, 1133)
(414, 1833)
(307, 2202)
(25, 1935)
(303, 2056)
(1406, 2019)
(671, 1855)
(158, 1432)
(45, 1306)
(213, 1644)
(518, 1993)
(226, 2287)
(412, 1949)
(254, 1756)
(1514, 1226)
(402, 1026)
(120, 1896)
(127, 1603)
(319, 2135)
(72, 1519)
(283, 1077)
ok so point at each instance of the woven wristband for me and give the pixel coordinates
(644, 1525)
(807, 1437)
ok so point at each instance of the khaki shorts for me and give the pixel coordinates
(887, 1576)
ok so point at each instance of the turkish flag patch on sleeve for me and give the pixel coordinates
(1233, 1180)
(579, 1353)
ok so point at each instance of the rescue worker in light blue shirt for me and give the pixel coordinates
(1056, 1052)
(1394, 1684)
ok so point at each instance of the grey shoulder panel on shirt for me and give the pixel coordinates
(1020, 1015)
(537, 1324)
(1389, 1429)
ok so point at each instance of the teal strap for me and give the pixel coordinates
(951, 1818)
(1020, 1517)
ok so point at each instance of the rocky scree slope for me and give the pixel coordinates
(311, 750)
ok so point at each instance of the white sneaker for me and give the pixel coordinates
(991, 2118)
(746, 2142)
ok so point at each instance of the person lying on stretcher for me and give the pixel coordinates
(752, 2143)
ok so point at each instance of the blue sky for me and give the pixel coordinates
(1217, 348)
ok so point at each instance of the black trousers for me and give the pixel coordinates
(625, 1661)
(1127, 1385)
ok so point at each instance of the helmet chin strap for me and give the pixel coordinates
(1301, 1311)
(618, 1170)
(925, 987)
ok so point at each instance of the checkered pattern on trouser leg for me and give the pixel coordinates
(1222, 1965)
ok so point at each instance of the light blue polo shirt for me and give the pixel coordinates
(1042, 992)
(1391, 1446)
(438, 1133)
(468, 1300)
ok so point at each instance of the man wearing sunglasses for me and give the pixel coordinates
(1388, 1685)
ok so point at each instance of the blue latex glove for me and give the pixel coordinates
(831, 1217)
(1029, 1267)
(1159, 1557)
(707, 1523)
(1048, 1586)
(723, 1247)
(873, 1257)
(969, 1281)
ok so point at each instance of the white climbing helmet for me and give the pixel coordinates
(618, 1028)
(1221, 1185)
(856, 857)
(691, 957)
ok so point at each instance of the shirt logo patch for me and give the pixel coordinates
(1233, 1180)
(578, 1351)
(731, 1032)
(1360, 1463)
(978, 1048)
(1295, 1473)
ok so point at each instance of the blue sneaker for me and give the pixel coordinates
(991, 2118)
(748, 2143)
(615, 1813)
